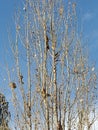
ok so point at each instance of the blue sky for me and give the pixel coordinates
(7, 10)
(88, 14)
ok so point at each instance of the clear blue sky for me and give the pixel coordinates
(7, 11)
(88, 14)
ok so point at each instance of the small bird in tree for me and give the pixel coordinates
(47, 43)
(21, 79)
(44, 94)
(12, 85)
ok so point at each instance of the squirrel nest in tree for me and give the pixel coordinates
(12, 85)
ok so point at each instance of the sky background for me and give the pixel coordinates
(87, 15)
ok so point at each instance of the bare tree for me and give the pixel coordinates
(55, 87)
